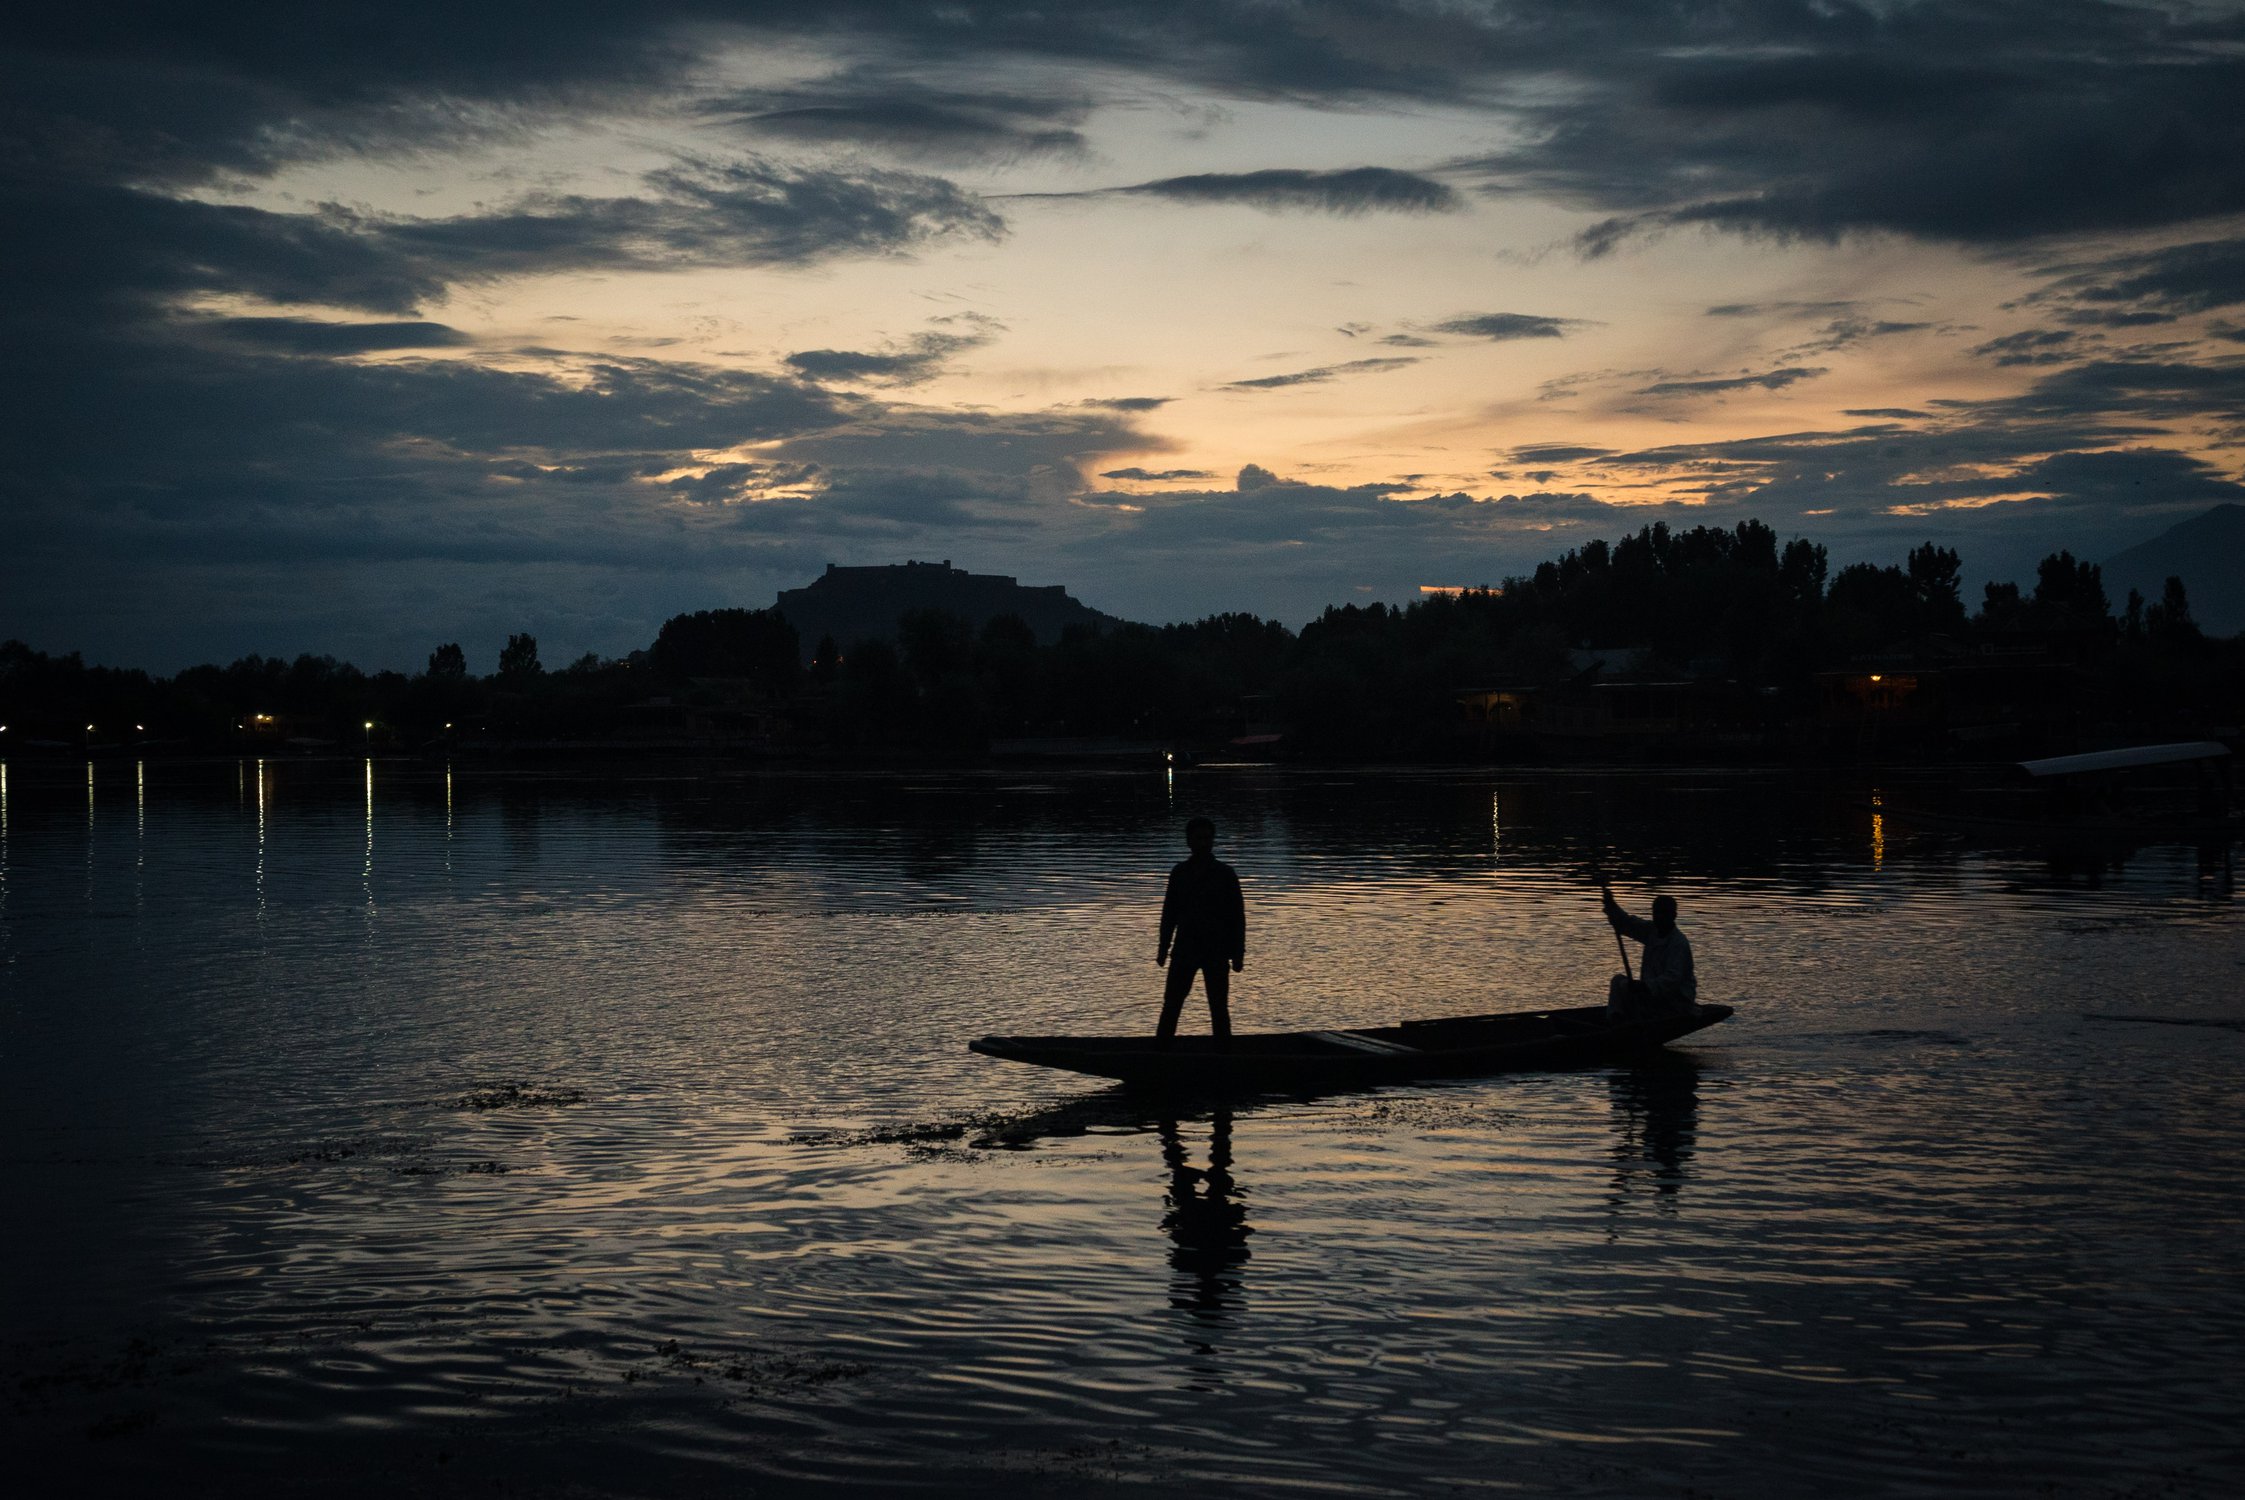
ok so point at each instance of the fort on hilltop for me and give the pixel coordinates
(853, 604)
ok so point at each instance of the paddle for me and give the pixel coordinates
(1598, 873)
(1608, 892)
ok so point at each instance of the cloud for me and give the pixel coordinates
(1292, 545)
(921, 359)
(1555, 453)
(2033, 346)
(324, 503)
(1503, 326)
(2147, 287)
(1840, 333)
(112, 247)
(1767, 380)
(313, 336)
(1056, 443)
(2075, 456)
(908, 119)
(1130, 403)
(1779, 309)
(1351, 191)
(1150, 476)
(1990, 123)
(1320, 375)
(708, 213)
(1984, 126)
(267, 467)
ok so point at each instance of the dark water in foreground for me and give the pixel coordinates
(370, 1130)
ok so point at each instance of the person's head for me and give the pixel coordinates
(1664, 912)
(1200, 835)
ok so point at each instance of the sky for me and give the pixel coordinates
(360, 329)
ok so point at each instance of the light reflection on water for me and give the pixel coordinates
(571, 1130)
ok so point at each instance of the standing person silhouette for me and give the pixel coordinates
(1203, 927)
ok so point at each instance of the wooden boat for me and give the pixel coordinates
(1448, 1047)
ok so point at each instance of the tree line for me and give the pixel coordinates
(1706, 603)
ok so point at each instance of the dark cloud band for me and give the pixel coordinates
(1355, 190)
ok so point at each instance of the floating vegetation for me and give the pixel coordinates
(517, 1096)
(756, 1373)
(460, 1169)
(360, 1150)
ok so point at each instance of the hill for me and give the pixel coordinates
(859, 603)
(2207, 552)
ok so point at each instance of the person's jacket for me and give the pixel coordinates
(1203, 911)
(1667, 968)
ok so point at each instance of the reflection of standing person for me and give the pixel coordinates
(1207, 1224)
(1203, 927)
(1665, 983)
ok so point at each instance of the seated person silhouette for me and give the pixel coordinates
(1203, 927)
(1665, 984)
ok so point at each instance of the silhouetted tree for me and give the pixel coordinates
(1005, 657)
(935, 644)
(2168, 623)
(518, 659)
(1869, 607)
(448, 661)
(1934, 587)
(873, 698)
(826, 660)
(1801, 573)
(757, 644)
(2070, 594)
(2001, 608)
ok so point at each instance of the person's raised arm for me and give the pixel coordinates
(1636, 927)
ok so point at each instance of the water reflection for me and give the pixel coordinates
(1205, 1221)
(319, 1217)
(1656, 1130)
(258, 874)
(366, 868)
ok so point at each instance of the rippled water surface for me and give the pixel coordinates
(384, 1128)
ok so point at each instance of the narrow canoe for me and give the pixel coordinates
(1448, 1047)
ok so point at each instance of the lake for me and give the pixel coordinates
(389, 1126)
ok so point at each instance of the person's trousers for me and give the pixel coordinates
(1216, 976)
(1629, 1000)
